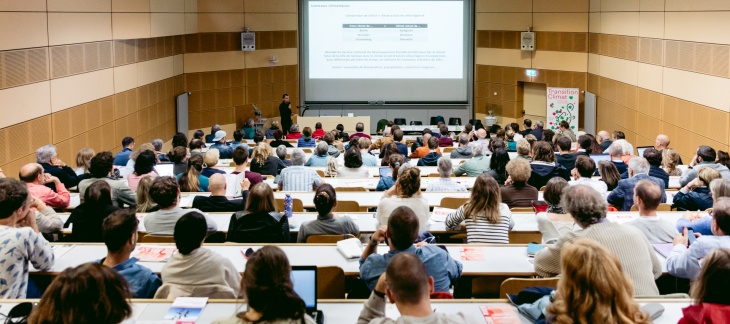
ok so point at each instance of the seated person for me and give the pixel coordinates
(35, 178)
(248, 129)
(544, 166)
(120, 237)
(353, 167)
(332, 146)
(386, 182)
(710, 301)
(327, 223)
(264, 162)
(196, 147)
(306, 140)
(397, 141)
(516, 192)
(238, 139)
(698, 221)
(193, 180)
(704, 158)
(121, 158)
(272, 130)
(498, 165)
(166, 193)
(622, 197)
(318, 131)
(684, 260)
(445, 140)
(424, 150)
(487, 219)
(405, 192)
(194, 267)
(281, 154)
(240, 158)
(260, 221)
(433, 155)
(647, 195)
(509, 139)
(583, 173)
(444, 182)
(654, 158)
(298, 177)
(211, 159)
(213, 130)
(401, 232)
(294, 132)
(615, 151)
(359, 129)
(696, 194)
(566, 158)
(475, 166)
(464, 150)
(320, 156)
(523, 149)
(217, 201)
(386, 139)
(367, 159)
(87, 218)
(47, 157)
(225, 150)
(555, 222)
(101, 168)
(589, 211)
(278, 140)
(407, 283)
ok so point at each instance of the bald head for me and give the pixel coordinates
(30, 173)
(603, 135)
(481, 133)
(662, 142)
(217, 185)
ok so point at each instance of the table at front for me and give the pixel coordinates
(330, 122)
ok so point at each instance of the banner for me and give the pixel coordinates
(562, 105)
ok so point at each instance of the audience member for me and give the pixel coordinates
(210, 138)
(225, 151)
(166, 193)
(405, 192)
(198, 135)
(654, 158)
(294, 132)
(704, 158)
(260, 221)
(381, 142)
(609, 174)
(367, 159)
(327, 223)
(684, 260)
(709, 292)
(424, 150)
(120, 237)
(240, 158)
(594, 287)
(179, 139)
(341, 131)
(281, 154)
(583, 173)
(278, 135)
(46, 156)
(179, 158)
(527, 123)
(509, 138)
(566, 158)
(401, 232)
(698, 221)
(269, 291)
(604, 139)
(464, 149)
(196, 147)
(386, 182)
(647, 195)
(544, 167)
(122, 157)
(332, 150)
(397, 141)
(298, 177)
(248, 129)
(193, 180)
(482, 140)
(407, 283)
(265, 162)
(83, 161)
(627, 150)
(443, 182)
(359, 129)
(445, 139)
(615, 151)
(486, 218)
(21, 239)
(35, 179)
(670, 160)
(89, 293)
(662, 143)
(338, 140)
(723, 158)
(516, 192)
(584, 145)
(217, 201)
(498, 165)
(320, 156)
(128, 169)
(272, 129)
(238, 139)
(101, 168)
(353, 167)
(144, 166)
(537, 130)
(524, 149)
(622, 197)
(89, 215)
(318, 131)
(474, 166)
(145, 204)
(195, 271)
(306, 140)
(433, 155)
(696, 194)
(157, 143)
(547, 135)
(555, 222)
(636, 255)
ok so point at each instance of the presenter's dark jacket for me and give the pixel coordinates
(285, 113)
(214, 204)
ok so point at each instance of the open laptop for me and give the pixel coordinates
(385, 172)
(600, 157)
(165, 169)
(641, 149)
(304, 279)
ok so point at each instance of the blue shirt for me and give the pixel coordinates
(368, 159)
(316, 160)
(203, 180)
(122, 157)
(702, 225)
(684, 262)
(439, 265)
(301, 142)
(143, 283)
(385, 183)
(235, 144)
(226, 152)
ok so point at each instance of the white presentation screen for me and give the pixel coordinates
(391, 51)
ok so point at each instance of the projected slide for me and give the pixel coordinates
(386, 40)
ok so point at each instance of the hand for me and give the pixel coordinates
(2, 174)
(509, 181)
(420, 244)
(50, 178)
(245, 184)
(37, 204)
(379, 234)
(681, 238)
(691, 216)
(696, 182)
(382, 284)
(694, 161)
(392, 191)
(574, 174)
(57, 162)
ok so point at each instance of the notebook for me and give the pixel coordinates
(663, 248)
(304, 279)
(350, 248)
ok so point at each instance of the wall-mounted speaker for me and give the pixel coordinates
(527, 41)
(248, 41)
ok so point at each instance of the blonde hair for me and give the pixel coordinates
(594, 288)
(510, 135)
(707, 175)
(485, 199)
(261, 152)
(523, 147)
(211, 158)
(83, 158)
(140, 149)
(670, 160)
(720, 188)
(144, 200)
(332, 167)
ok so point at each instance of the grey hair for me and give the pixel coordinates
(281, 152)
(294, 128)
(157, 144)
(215, 128)
(625, 146)
(297, 156)
(444, 166)
(639, 165)
(615, 149)
(386, 131)
(463, 138)
(585, 204)
(45, 153)
(322, 148)
(404, 167)
(539, 124)
(477, 150)
(249, 122)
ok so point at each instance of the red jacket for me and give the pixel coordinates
(296, 135)
(318, 133)
(705, 313)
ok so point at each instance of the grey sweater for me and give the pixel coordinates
(162, 222)
(655, 229)
(327, 225)
(373, 312)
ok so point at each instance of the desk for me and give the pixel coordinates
(347, 311)
(434, 129)
(330, 122)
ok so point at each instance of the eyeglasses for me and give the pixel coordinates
(709, 212)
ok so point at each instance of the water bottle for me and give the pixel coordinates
(288, 206)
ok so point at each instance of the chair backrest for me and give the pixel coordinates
(454, 121)
(634, 208)
(399, 121)
(513, 286)
(447, 149)
(351, 189)
(297, 205)
(152, 238)
(307, 150)
(453, 202)
(172, 291)
(328, 238)
(434, 175)
(330, 283)
(350, 206)
(522, 209)
(321, 173)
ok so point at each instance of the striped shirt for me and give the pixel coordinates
(481, 230)
(299, 178)
(445, 185)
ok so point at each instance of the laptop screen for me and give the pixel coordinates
(641, 149)
(165, 170)
(304, 279)
(600, 157)
(386, 172)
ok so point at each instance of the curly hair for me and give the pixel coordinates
(585, 204)
(519, 170)
(409, 181)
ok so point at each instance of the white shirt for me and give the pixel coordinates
(597, 185)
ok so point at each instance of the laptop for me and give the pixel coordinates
(165, 169)
(304, 279)
(385, 172)
(600, 157)
(641, 149)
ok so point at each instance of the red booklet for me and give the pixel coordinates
(500, 314)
